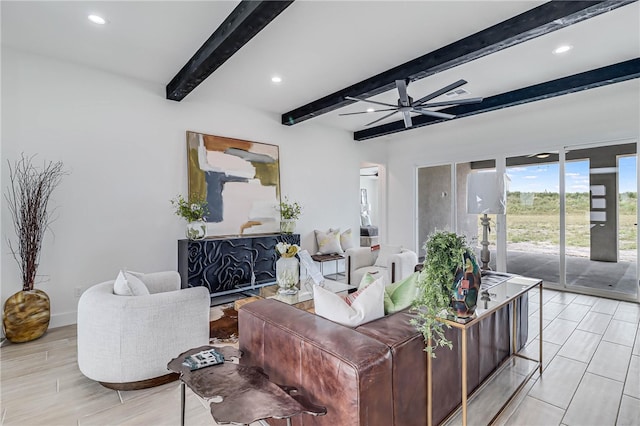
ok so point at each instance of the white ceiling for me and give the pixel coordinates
(318, 47)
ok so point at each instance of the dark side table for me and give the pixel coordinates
(246, 392)
(322, 258)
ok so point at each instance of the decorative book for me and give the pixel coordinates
(203, 359)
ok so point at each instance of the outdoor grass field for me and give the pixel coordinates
(533, 218)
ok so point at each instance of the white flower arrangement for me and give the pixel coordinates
(287, 250)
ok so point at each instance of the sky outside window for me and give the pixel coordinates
(544, 177)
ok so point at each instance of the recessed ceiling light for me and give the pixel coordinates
(543, 155)
(370, 109)
(276, 79)
(97, 19)
(562, 49)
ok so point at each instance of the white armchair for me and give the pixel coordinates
(125, 342)
(361, 260)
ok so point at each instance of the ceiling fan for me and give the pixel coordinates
(406, 104)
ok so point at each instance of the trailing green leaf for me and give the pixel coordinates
(444, 254)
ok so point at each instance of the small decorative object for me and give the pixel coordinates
(26, 314)
(194, 212)
(486, 194)
(289, 214)
(448, 284)
(466, 286)
(287, 268)
(203, 359)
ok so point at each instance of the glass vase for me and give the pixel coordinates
(196, 229)
(287, 275)
(287, 226)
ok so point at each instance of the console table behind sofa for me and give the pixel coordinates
(228, 265)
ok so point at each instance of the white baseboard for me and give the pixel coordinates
(65, 318)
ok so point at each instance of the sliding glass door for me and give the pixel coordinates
(601, 216)
(533, 216)
(571, 216)
(572, 219)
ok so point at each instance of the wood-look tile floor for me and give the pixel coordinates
(591, 357)
(40, 384)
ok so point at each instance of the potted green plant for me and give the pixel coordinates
(193, 211)
(449, 277)
(290, 212)
(26, 314)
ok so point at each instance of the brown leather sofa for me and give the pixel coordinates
(376, 373)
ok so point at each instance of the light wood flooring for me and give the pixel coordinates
(591, 376)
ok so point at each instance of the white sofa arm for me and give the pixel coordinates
(160, 282)
(402, 264)
(132, 338)
(359, 257)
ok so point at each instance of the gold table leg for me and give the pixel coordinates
(464, 377)
(429, 388)
(182, 401)
(540, 325)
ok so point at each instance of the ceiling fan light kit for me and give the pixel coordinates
(407, 106)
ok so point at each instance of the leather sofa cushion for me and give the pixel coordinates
(335, 366)
(409, 392)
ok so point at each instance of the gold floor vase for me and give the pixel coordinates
(26, 315)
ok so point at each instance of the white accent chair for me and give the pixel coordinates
(125, 342)
(361, 260)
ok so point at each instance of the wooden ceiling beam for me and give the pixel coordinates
(599, 77)
(242, 24)
(533, 23)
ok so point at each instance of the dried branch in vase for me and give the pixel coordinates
(28, 198)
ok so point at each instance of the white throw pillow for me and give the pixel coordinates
(127, 284)
(328, 242)
(368, 306)
(346, 238)
(385, 252)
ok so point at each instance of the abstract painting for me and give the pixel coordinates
(240, 181)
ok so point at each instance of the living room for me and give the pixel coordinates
(93, 97)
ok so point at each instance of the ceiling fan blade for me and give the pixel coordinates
(351, 98)
(367, 112)
(407, 119)
(441, 91)
(402, 91)
(434, 114)
(381, 118)
(447, 103)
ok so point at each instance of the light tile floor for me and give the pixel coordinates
(591, 359)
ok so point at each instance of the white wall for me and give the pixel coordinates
(125, 148)
(603, 114)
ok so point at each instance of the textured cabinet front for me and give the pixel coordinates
(225, 265)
